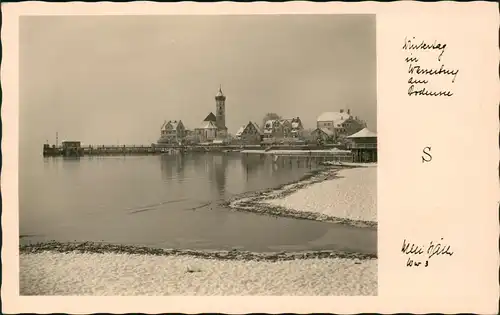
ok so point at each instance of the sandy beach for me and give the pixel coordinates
(53, 273)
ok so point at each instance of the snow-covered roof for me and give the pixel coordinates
(242, 128)
(327, 131)
(256, 127)
(334, 116)
(172, 123)
(295, 122)
(364, 133)
(269, 123)
(240, 131)
(207, 125)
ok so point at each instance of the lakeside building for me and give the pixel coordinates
(67, 149)
(172, 132)
(206, 132)
(249, 134)
(190, 137)
(214, 126)
(281, 129)
(363, 145)
(323, 135)
(342, 124)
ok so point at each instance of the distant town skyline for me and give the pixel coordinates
(116, 79)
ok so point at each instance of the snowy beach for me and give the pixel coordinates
(344, 193)
(54, 273)
(353, 195)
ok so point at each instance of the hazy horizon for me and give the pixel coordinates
(116, 79)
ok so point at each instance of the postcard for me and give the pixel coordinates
(291, 157)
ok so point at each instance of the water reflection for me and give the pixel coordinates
(226, 174)
(172, 166)
(213, 166)
(252, 162)
(217, 174)
(180, 166)
(96, 199)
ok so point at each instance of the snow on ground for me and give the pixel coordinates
(352, 196)
(350, 164)
(50, 273)
(298, 152)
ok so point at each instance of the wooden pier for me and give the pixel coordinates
(308, 156)
(103, 150)
(73, 148)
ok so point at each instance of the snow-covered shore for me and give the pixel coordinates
(344, 193)
(353, 196)
(341, 194)
(55, 273)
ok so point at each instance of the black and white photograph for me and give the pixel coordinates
(182, 155)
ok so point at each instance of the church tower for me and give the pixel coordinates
(220, 111)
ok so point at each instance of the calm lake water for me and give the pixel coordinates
(168, 201)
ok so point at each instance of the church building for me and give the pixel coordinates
(214, 126)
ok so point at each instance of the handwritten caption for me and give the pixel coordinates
(419, 256)
(422, 79)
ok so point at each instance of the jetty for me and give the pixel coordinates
(317, 155)
(362, 147)
(75, 149)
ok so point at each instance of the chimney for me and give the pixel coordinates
(348, 111)
(341, 111)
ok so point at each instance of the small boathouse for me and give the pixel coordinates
(363, 145)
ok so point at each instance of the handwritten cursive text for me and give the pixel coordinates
(418, 253)
(421, 75)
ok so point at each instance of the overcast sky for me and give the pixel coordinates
(115, 79)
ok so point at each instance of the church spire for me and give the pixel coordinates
(220, 110)
(219, 93)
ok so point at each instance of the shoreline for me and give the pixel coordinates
(99, 269)
(233, 255)
(254, 202)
